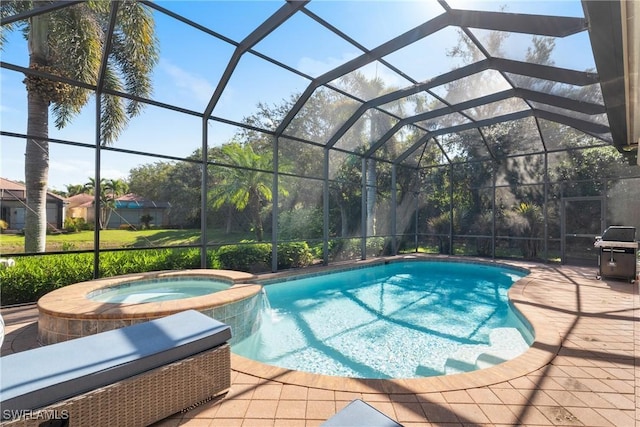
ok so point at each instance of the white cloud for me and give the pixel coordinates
(314, 67)
(191, 85)
(7, 109)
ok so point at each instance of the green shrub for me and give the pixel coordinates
(251, 258)
(256, 258)
(32, 277)
(293, 255)
(300, 224)
(3, 225)
(73, 225)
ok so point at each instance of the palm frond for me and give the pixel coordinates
(114, 120)
(76, 39)
(10, 8)
(135, 51)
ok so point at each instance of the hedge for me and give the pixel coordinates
(32, 277)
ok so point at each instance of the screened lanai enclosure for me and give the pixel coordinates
(361, 129)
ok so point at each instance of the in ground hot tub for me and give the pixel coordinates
(101, 305)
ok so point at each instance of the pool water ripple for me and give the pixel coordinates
(400, 320)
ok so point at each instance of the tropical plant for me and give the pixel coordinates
(109, 190)
(245, 184)
(74, 189)
(69, 43)
(146, 221)
(529, 224)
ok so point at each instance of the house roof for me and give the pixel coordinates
(83, 200)
(133, 201)
(13, 190)
(128, 201)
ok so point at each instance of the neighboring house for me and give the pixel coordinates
(128, 210)
(13, 204)
(130, 207)
(81, 206)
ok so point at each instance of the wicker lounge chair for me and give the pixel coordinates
(133, 376)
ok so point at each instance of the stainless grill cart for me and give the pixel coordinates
(618, 253)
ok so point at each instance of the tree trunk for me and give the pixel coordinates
(254, 208)
(36, 162)
(371, 197)
(229, 217)
(344, 219)
(36, 173)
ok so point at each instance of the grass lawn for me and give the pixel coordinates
(12, 243)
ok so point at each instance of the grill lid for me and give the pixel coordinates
(620, 233)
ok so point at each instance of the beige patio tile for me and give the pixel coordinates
(408, 411)
(597, 385)
(511, 396)
(320, 409)
(347, 395)
(619, 418)
(233, 408)
(457, 396)
(620, 401)
(294, 392)
(439, 413)
(241, 391)
(592, 400)
(469, 413)
(291, 409)
(375, 397)
(403, 398)
(529, 415)
(321, 394)
(499, 414)
(267, 391)
(620, 373)
(524, 383)
(559, 415)
(620, 386)
(590, 417)
(542, 398)
(483, 395)
(290, 423)
(262, 409)
(258, 422)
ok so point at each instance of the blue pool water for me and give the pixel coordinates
(398, 320)
(155, 290)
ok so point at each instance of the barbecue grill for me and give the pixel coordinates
(618, 253)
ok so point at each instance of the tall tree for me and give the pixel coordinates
(69, 43)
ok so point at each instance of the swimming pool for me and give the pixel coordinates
(405, 319)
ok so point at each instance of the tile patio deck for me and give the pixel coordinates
(588, 376)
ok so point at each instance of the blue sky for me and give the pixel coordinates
(191, 64)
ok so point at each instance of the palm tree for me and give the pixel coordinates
(244, 186)
(69, 42)
(109, 190)
(75, 189)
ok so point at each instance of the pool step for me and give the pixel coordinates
(506, 344)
